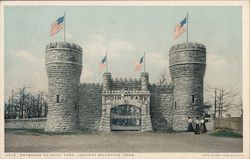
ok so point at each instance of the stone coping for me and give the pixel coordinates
(26, 120)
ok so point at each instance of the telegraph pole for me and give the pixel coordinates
(12, 105)
(215, 102)
(220, 105)
(221, 102)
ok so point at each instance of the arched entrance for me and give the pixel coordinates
(125, 117)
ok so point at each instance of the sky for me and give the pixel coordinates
(125, 33)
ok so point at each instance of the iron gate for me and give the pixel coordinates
(125, 117)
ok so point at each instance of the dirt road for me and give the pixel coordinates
(121, 142)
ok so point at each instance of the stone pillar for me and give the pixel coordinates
(63, 66)
(187, 63)
(146, 123)
(105, 119)
(106, 81)
(144, 81)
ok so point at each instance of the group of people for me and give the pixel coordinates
(200, 125)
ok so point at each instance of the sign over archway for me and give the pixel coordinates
(125, 110)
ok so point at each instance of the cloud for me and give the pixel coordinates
(98, 44)
(25, 69)
(26, 55)
(222, 72)
(157, 59)
(215, 60)
(87, 75)
(68, 35)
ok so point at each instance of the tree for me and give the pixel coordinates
(224, 100)
(164, 79)
(26, 105)
(205, 110)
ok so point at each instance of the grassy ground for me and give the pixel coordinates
(226, 133)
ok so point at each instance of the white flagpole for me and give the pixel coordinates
(144, 62)
(64, 21)
(106, 62)
(187, 27)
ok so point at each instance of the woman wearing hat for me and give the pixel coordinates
(190, 126)
(203, 126)
(197, 126)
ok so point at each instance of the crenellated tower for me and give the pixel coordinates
(64, 66)
(187, 63)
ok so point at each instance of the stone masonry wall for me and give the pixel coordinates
(63, 66)
(161, 102)
(90, 106)
(187, 67)
(125, 84)
(27, 123)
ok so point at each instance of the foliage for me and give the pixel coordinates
(24, 104)
(204, 109)
(226, 133)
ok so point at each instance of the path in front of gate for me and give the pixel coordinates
(121, 142)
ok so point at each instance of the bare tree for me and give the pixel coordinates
(164, 79)
(224, 100)
(26, 105)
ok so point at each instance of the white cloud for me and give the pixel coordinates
(87, 75)
(157, 59)
(215, 60)
(26, 55)
(68, 35)
(25, 70)
(98, 44)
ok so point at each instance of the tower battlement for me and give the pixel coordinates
(90, 84)
(63, 45)
(117, 79)
(193, 46)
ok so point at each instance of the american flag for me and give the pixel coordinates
(57, 26)
(139, 65)
(180, 28)
(102, 64)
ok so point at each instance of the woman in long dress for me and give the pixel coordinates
(197, 126)
(203, 126)
(190, 126)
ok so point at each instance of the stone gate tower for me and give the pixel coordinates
(187, 63)
(64, 66)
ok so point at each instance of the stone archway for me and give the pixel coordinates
(125, 118)
(115, 101)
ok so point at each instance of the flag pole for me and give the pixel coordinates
(64, 26)
(144, 62)
(187, 27)
(106, 62)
